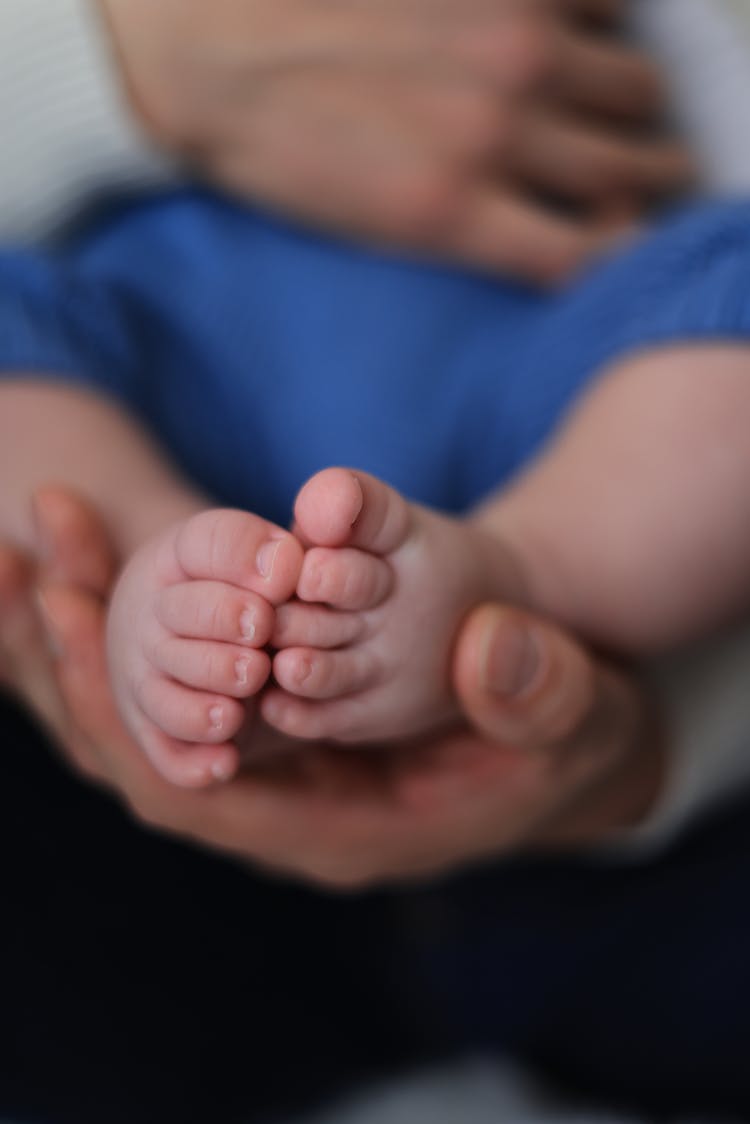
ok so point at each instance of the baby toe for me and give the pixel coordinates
(188, 765)
(309, 720)
(339, 507)
(226, 669)
(215, 611)
(242, 549)
(313, 674)
(344, 579)
(186, 714)
(327, 507)
(315, 626)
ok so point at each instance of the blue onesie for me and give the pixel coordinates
(259, 353)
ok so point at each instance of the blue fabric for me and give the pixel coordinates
(260, 353)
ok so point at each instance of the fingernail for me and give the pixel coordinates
(510, 660)
(51, 631)
(241, 671)
(216, 717)
(266, 557)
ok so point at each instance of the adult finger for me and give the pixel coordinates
(587, 162)
(416, 203)
(600, 74)
(73, 543)
(74, 621)
(497, 230)
(73, 540)
(26, 666)
(15, 571)
(526, 683)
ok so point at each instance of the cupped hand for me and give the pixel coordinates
(561, 749)
(437, 125)
(73, 546)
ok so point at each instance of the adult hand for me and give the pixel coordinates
(433, 124)
(73, 547)
(563, 752)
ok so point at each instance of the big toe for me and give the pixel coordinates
(338, 507)
(240, 549)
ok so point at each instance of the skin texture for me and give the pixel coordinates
(443, 126)
(562, 749)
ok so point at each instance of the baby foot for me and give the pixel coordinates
(189, 618)
(365, 650)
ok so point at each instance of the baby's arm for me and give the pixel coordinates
(192, 609)
(53, 431)
(633, 527)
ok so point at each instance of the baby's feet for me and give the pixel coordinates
(190, 616)
(365, 651)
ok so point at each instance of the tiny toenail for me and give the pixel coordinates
(247, 625)
(198, 774)
(216, 717)
(240, 670)
(222, 770)
(361, 503)
(266, 558)
(304, 670)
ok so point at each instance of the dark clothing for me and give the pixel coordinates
(146, 982)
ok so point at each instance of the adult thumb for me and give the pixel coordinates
(525, 682)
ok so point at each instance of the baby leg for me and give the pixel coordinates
(189, 619)
(633, 525)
